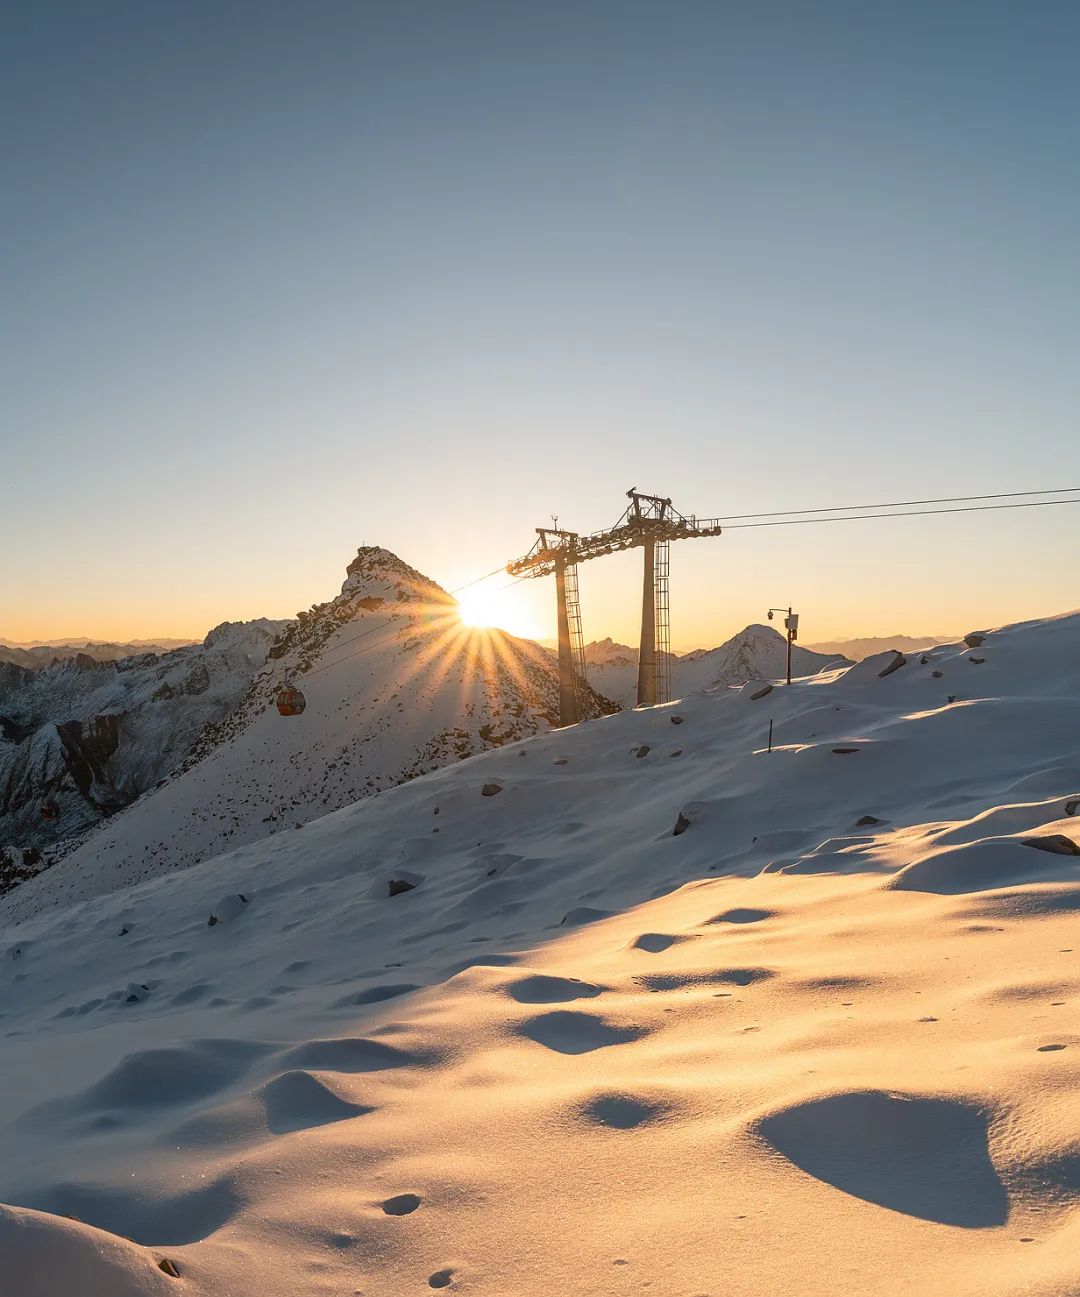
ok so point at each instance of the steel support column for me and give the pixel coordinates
(568, 692)
(646, 676)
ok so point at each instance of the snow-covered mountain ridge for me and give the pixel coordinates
(633, 1006)
(93, 736)
(395, 686)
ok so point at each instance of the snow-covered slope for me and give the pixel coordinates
(95, 735)
(394, 685)
(660, 1011)
(756, 653)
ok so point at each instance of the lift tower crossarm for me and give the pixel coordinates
(646, 517)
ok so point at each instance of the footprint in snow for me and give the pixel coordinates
(742, 915)
(622, 1111)
(655, 943)
(567, 1032)
(542, 989)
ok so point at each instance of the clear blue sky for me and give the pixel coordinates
(281, 279)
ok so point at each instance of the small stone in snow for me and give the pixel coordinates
(643, 751)
(978, 661)
(676, 720)
(974, 639)
(490, 790)
(681, 825)
(865, 820)
(169, 1266)
(398, 885)
(937, 674)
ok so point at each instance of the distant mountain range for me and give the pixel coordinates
(867, 646)
(758, 652)
(41, 653)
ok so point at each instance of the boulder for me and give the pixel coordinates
(898, 661)
(689, 814)
(491, 790)
(1057, 843)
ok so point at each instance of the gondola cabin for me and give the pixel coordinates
(290, 701)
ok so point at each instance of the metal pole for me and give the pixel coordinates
(568, 703)
(770, 733)
(789, 644)
(646, 679)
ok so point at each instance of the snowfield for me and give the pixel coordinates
(637, 1006)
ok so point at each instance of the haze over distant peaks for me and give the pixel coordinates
(864, 646)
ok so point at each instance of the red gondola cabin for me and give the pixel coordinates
(290, 701)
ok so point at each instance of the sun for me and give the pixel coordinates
(487, 608)
(479, 609)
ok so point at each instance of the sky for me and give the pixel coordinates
(281, 279)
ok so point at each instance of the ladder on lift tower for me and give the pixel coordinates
(662, 667)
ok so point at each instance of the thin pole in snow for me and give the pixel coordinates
(770, 733)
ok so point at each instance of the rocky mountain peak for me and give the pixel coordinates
(377, 573)
(607, 650)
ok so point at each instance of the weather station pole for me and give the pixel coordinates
(791, 626)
